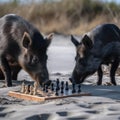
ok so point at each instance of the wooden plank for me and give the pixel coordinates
(26, 96)
(65, 96)
(39, 99)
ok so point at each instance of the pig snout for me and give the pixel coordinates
(77, 78)
(43, 78)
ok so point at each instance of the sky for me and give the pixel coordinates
(117, 1)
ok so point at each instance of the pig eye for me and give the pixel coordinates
(35, 60)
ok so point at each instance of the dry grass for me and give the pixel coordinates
(67, 16)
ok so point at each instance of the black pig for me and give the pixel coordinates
(99, 46)
(22, 46)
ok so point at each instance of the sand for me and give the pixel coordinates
(104, 104)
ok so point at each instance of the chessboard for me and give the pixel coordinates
(56, 90)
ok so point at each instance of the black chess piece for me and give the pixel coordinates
(29, 88)
(52, 86)
(46, 88)
(56, 92)
(57, 84)
(73, 88)
(79, 88)
(66, 86)
(62, 87)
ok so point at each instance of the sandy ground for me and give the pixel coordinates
(104, 104)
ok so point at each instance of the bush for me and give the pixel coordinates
(65, 16)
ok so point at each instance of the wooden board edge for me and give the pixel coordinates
(73, 95)
(26, 96)
(18, 95)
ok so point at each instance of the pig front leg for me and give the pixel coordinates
(114, 67)
(100, 76)
(15, 72)
(6, 71)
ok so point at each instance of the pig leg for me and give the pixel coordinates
(6, 71)
(15, 72)
(1, 75)
(100, 75)
(114, 67)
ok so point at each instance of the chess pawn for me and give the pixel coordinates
(56, 92)
(46, 88)
(79, 90)
(57, 84)
(52, 86)
(62, 87)
(66, 88)
(26, 89)
(73, 88)
(23, 88)
(35, 88)
(31, 90)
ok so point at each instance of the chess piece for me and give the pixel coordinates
(57, 84)
(23, 88)
(66, 86)
(46, 88)
(73, 88)
(35, 88)
(31, 90)
(52, 86)
(26, 89)
(79, 90)
(62, 87)
(56, 92)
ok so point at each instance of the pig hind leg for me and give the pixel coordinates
(114, 67)
(100, 75)
(1, 75)
(6, 71)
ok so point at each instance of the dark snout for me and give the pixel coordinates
(44, 80)
(43, 77)
(76, 78)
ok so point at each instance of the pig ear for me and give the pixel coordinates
(49, 38)
(87, 42)
(74, 41)
(26, 40)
